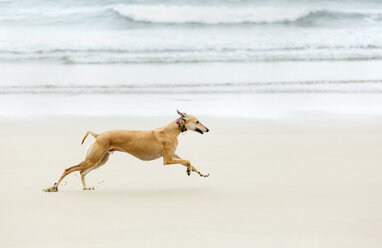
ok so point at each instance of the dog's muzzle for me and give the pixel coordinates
(199, 130)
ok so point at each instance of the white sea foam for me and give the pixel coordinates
(296, 87)
(166, 13)
(162, 14)
(208, 14)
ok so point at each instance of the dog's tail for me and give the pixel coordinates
(86, 135)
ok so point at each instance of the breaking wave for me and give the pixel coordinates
(210, 15)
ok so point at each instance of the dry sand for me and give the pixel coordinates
(307, 182)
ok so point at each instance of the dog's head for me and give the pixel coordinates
(192, 123)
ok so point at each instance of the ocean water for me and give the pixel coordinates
(118, 31)
(190, 49)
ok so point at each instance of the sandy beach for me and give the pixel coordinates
(310, 181)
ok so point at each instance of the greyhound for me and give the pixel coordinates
(145, 145)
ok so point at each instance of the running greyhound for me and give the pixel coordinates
(145, 145)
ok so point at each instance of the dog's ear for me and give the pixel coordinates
(182, 115)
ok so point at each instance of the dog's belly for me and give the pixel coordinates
(145, 157)
(148, 157)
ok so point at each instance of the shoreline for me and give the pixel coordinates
(203, 89)
(261, 106)
(41, 73)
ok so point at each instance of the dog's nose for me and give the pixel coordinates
(207, 130)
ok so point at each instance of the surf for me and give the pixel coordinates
(214, 15)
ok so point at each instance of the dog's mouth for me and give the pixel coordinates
(198, 130)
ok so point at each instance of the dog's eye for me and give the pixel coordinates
(197, 122)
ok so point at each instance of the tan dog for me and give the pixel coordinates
(145, 145)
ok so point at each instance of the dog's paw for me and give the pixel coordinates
(88, 188)
(51, 189)
(204, 175)
(188, 172)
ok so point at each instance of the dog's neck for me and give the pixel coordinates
(181, 125)
(174, 128)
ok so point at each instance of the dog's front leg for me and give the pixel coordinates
(195, 170)
(175, 159)
(188, 165)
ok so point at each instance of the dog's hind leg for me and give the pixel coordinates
(67, 171)
(84, 172)
(93, 156)
(97, 155)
